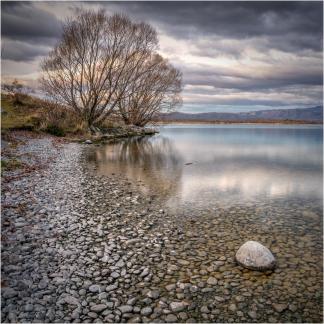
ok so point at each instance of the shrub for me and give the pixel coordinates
(55, 130)
(58, 120)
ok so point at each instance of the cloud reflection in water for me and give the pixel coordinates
(232, 162)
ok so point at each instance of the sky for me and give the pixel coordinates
(234, 56)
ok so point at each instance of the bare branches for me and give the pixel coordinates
(156, 89)
(102, 62)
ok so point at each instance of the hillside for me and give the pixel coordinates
(314, 114)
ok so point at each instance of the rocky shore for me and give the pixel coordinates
(79, 247)
(109, 135)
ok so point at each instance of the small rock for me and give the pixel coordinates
(9, 292)
(146, 311)
(43, 284)
(115, 275)
(232, 307)
(94, 288)
(183, 316)
(120, 264)
(204, 310)
(29, 307)
(98, 308)
(193, 289)
(92, 315)
(135, 319)
(279, 307)
(126, 308)
(178, 306)
(292, 308)
(252, 314)
(131, 301)
(170, 287)
(207, 290)
(145, 272)
(171, 318)
(212, 281)
(154, 294)
(71, 300)
(111, 288)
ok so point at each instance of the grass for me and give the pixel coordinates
(34, 114)
(14, 117)
(37, 115)
(10, 164)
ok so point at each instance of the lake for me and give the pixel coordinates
(196, 165)
(224, 185)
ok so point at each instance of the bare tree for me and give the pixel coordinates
(155, 90)
(97, 62)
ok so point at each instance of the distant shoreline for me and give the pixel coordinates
(282, 122)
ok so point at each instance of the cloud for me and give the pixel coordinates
(248, 70)
(239, 55)
(20, 51)
(25, 22)
(289, 25)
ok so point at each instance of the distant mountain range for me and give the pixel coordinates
(314, 114)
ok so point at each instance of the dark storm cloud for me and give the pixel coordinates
(25, 22)
(290, 25)
(215, 46)
(239, 81)
(225, 50)
(21, 51)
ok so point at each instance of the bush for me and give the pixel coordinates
(55, 130)
(58, 120)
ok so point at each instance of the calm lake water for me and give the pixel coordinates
(226, 184)
(194, 165)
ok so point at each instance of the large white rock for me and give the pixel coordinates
(255, 256)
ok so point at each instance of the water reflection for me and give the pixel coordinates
(225, 185)
(229, 163)
(152, 160)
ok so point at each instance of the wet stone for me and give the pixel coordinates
(154, 294)
(212, 281)
(126, 308)
(170, 287)
(279, 307)
(146, 311)
(253, 315)
(94, 288)
(255, 256)
(111, 288)
(98, 308)
(178, 306)
(171, 318)
(204, 309)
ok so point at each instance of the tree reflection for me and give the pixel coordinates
(152, 160)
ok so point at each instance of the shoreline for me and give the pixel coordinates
(238, 122)
(64, 228)
(78, 246)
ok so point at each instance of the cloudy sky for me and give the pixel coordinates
(235, 56)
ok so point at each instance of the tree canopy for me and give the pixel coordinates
(109, 63)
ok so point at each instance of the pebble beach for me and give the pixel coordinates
(82, 247)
